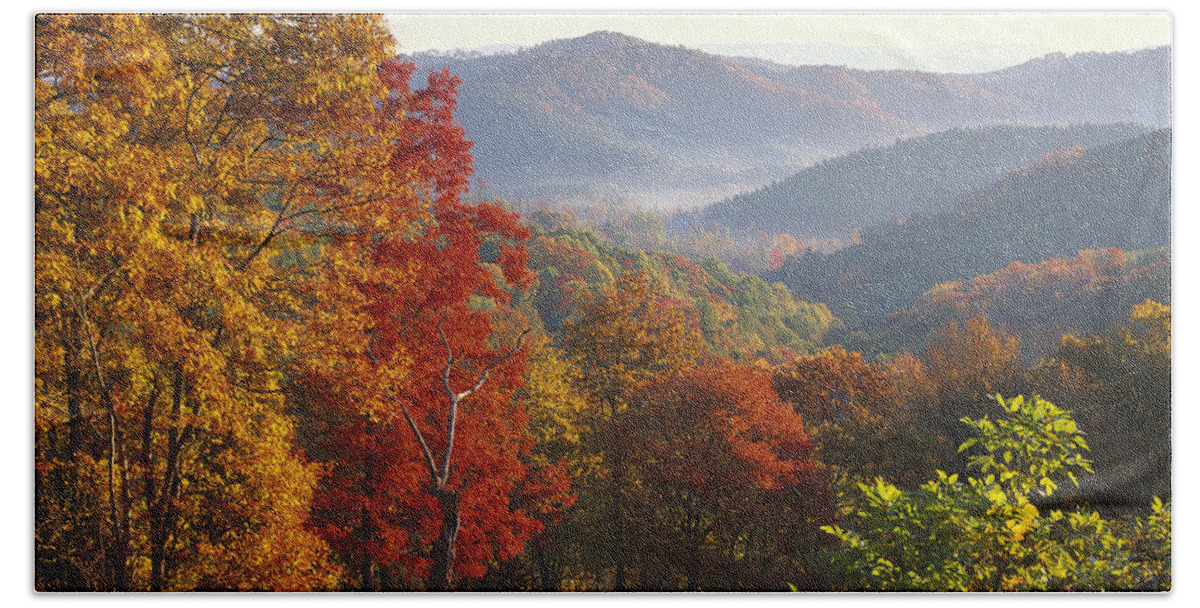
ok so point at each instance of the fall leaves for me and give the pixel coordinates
(276, 350)
(170, 153)
(234, 216)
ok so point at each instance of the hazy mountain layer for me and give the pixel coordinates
(913, 175)
(608, 116)
(1117, 195)
(1088, 87)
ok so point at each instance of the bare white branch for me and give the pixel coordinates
(433, 472)
(455, 398)
(483, 376)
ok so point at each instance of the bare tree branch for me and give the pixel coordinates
(455, 398)
(483, 376)
(433, 472)
(98, 284)
(449, 359)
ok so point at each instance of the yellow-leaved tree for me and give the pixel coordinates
(202, 185)
(628, 333)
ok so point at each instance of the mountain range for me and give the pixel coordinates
(609, 117)
(915, 175)
(1114, 195)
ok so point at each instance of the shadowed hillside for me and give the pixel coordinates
(914, 175)
(611, 117)
(1117, 195)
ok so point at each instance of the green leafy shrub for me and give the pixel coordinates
(987, 533)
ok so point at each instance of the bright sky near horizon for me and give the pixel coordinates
(943, 42)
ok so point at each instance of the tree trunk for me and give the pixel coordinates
(622, 548)
(117, 551)
(619, 582)
(367, 531)
(366, 565)
(159, 510)
(123, 525)
(441, 574)
(71, 377)
(549, 577)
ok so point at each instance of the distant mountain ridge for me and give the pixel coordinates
(1089, 87)
(1115, 195)
(915, 175)
(930, 100)
(609, 116)
(1054, 89)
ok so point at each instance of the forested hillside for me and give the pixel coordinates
(739, 315)
(913, 176)
(611, 117)
(1038, 302)
(286, 341)
(1116, 195)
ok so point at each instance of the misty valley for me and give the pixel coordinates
(595, 314)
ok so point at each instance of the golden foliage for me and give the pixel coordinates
(186, 167)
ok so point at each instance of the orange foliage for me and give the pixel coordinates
(726, 476)
(184, 166)
(868, 418)
(239, 218)
(436, 320)
(1041, 301)
(973, 358)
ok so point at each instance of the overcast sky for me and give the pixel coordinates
(944, 42)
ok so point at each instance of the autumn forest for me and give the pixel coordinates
(305, 320)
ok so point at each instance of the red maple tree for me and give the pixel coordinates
(425, 440)
(729, 479)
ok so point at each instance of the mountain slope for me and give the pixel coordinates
(914, 175)
(1116, 195)
(664, 124)
(935, 101)
(1088, 87)
(1082, 295)
(1054, 89)
(608, 116)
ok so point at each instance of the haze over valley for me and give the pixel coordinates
(609, 117)
(606, 302)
